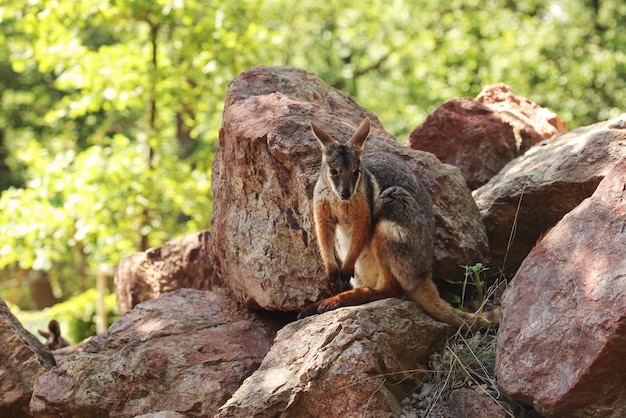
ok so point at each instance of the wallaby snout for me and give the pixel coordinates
(345, 182)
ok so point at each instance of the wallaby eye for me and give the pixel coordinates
(333, 172)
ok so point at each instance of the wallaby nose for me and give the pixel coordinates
(345, 194)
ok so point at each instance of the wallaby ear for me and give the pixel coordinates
(43, 333)
(359, 137)
(322, 136)
(54, 327)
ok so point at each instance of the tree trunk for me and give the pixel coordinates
(40, 289)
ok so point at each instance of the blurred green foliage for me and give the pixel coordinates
(76, 316)
(110, 110)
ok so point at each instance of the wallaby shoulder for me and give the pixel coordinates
(390, 170)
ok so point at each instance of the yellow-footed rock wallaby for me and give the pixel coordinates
(375, 228)
(54, 339)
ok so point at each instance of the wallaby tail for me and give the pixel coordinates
(427, 295)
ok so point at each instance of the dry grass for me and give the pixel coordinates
(467, 361)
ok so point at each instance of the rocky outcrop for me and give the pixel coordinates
(480, 136)
(535, 190)
(24, 359)
(562, 340)
(181, 263)
(264, 171)
(353, 362)
(531, 123)
(185, 352)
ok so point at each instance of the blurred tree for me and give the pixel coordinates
(111, 109)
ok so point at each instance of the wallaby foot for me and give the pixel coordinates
(351, 297)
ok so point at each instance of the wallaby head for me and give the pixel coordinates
(54, 328)
(53, 337)
(341, 162)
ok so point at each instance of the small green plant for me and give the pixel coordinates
(474, 276)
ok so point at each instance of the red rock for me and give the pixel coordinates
(531, 123)
(24, 359)
(186, 262)
(352, 362)
(466, 403)
(480, 136)
(186, 352)
(551, 179)
(562, 339)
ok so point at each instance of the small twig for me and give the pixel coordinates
(513, 228)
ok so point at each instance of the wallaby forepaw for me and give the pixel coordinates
(339, 282)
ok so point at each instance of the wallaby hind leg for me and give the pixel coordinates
(392, 246)
(352, 297)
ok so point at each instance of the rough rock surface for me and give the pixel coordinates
(562, 340)
(23, 359)
(466, 403)
(264, 172)
(181, 263)
(352, 362)
(185, 352)
(480, 136)
(162, 414)
(551, 179)
(531, 123)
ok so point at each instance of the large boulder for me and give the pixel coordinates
(264, 171)
(24, 359)
(562, 340)
(186, 352)
(534, 191)
(352, 362)
(480, 136)
(185, 262)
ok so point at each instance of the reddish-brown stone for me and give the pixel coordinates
(480, 136)
(562, 339)
(355, 362)
(550, 179)
(466, 403)
(23, 359)
(186, 351)
(186, 262)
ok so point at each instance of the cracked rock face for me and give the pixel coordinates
(185, 262)
(547, 181)
(562, 339)
(185, 352)
(24, 359)
(358, 361)
(481, 135)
